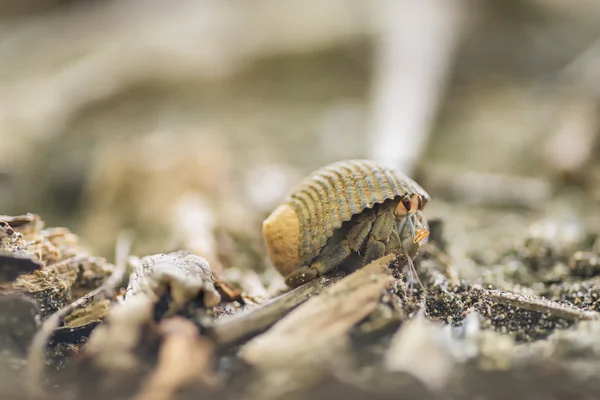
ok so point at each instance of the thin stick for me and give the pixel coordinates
(37, 351)
(331, 315)
(541, 305)
(238, 327)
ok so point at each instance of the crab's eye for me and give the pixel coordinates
(416, 203)
(406, 203)
(403, 207)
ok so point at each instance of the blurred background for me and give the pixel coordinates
(188, 121)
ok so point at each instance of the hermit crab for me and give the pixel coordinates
(348, 212)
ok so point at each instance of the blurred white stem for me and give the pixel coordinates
(414, 56)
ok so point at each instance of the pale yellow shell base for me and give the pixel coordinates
(281, 231)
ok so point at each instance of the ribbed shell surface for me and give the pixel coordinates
(335, 193)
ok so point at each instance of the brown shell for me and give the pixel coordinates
(334, 193)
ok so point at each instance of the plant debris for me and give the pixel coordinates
(166, 326)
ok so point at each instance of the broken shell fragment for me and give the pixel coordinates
(184, 276)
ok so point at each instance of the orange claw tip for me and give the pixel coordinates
(421, 235)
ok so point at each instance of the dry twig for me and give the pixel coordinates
(332, 314)
(185, 358)
(37, 351)
(540, 305)
(297, 351)
(233, 329)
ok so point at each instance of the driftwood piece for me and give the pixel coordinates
(26, 224)
(36, 359)
(111, 345)
(141, 351)
(15, 260)
(13, 266)
(322, 319)
(24, 236)
(185, 359)
(229, 330)
(303, 347)
(119, 353)
(41, 271)
(46, 264)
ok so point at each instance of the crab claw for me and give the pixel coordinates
(420, 235)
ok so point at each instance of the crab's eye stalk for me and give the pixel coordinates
(403, 207)
(406, 203)
(416, 203)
